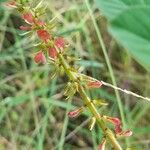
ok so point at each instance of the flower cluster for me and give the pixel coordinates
(40, 27)
(43, 34)
(53, 48)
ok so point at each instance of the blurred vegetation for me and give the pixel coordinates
(33, 110)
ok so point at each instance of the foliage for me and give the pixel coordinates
(129, 24)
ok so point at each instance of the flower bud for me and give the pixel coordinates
(26, 28)
(11, 4)
(39, 22)
(52, 52)
(118, 129)
(59, 42)
(102, 144)
(76, 112)
(94, 84)
(40, 58)
(44, 35)
(28, 17)
(125, 133)
(115, 121)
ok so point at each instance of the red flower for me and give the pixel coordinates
(11, 4)
(59, 42)
(52, 52)
(40, 58)
(75, 113)
(44, 35)
(28, 17)
(27, 28)
(102, 145)
(94, 84)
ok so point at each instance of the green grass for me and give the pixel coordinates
(33, 112)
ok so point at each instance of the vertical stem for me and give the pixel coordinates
(98, 32)
(107, 132)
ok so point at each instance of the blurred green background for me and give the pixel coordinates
(33, 110)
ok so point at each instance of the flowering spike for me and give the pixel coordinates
(40, 58)
(59, 42)
(52, 52)
(94, 84)
(102, 144)
(28, 17)
(92, 123)
(44, 35)
(76, 112)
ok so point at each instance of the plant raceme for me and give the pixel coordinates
(52, 50)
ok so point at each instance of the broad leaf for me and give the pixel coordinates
(130, 25)
(112, 8)
(133, 32)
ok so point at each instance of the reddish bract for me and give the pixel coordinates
(59, 42)
(52, 52)
(44, 35)
(28, 17)
(40, 58)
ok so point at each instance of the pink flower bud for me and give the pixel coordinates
(11, 4)
(40, 58)
(75, 113)
(28, 17)
(115, 121)
(125, 133)
(26, 28)
(102, 145)
(118, 129)
(59, 42)
(44, 35)
(40, 22)
(52, 52)
(94, 84)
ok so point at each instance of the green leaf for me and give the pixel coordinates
(132, 29)
(130, 25)
(112, 8)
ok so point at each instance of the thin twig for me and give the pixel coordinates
(125, 91)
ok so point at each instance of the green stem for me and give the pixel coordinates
(98, 32)
(107, 132)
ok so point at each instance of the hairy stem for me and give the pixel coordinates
(86, 100)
